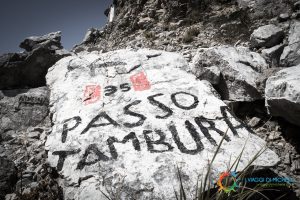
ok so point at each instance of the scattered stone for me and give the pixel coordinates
(272, 55)
(266, 36)
(254, 122)
(34, 135)
(282, 94)
(131, 125)
(291, 53)
(287, 159)
(274, 136)
(283, 17)
(241, 71)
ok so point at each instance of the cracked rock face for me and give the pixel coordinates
(241, 71)
(291, 53)
(283, 94)
(28, 69)
(124, 120)
(21, 108)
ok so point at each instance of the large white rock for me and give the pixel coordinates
(283, 94)
(124, 120)
(241, 71)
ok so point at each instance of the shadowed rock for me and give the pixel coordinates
(266, 36)
(291, 53)
(28, 69)
(8, 176)
(283, 94)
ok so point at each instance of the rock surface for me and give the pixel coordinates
(291, 53)
(123, 121)
(28, 69)
(241, 71)
(272, 55)
(265, 8)
(283, 94)
(266, 36)
(51, 40)
(22, 108)
(8, 176)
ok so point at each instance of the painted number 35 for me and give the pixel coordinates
(110, 90)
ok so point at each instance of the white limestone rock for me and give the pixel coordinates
(147, 98)
(241, 71)
(283, 94)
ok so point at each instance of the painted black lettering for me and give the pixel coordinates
(110, 90)
(154, 102)
(195, 135)
(160, 141)
(92, 148)
(194, 105)
(205, 130)
(128, 112)
(40, 100)
(224, 110)
(22, 98)
(125, 87)
(130, 136)
(93, 124)
(66, 128)
(62, 157)
(30, 99)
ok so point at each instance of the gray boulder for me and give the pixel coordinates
(51, 40)
(8, 176)
(283, 94)
(291, 53)
(272, 55)
(28, 69)
(283, 17)
(22, 108)
(241, 71)
(266, 36)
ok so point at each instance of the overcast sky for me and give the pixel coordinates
(23, 18)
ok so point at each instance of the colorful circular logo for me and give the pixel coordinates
(231, 176)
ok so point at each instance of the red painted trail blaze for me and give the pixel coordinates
(140, 82)
(91, 94)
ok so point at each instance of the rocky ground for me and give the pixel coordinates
(247, 50)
